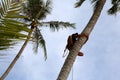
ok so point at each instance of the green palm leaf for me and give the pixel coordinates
(10, 26)
(115, 7)
(79, 3)
(37, 10)
(39, 40)
(56, 25)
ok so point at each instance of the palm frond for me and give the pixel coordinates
(37, 9)
(6, 43)
(39, 40)
(115, 7)
(95, 4)
(56, 25)
(79, 3)
(114, 1)
(46, 9)
(10, 26)
(10, 13)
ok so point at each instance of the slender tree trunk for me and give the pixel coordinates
(63, 75)
(17, 56)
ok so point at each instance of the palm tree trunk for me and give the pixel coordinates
(17, 56)
(63, 75)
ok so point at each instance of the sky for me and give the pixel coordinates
(101, 52)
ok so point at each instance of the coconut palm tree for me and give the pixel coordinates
(11, 29)
(78, 45)
(36, 11)
(98, 6)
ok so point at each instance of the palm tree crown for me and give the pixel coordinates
(37, 10)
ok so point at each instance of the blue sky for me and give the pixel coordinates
(101, 52)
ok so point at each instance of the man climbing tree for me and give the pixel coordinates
(63, 75)
(72, 40)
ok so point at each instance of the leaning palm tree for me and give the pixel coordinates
(98, 6)
(37, 10)
(78, 45)
(11, 29)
